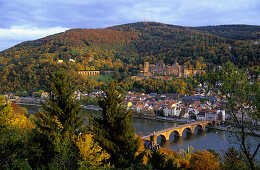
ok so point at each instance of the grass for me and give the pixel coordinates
(102, 77)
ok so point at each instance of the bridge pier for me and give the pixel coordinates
(154, 139)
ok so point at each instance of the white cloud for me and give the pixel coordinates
(17, 34)
(21, 32)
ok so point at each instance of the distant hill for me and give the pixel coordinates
(233, 32)
(124, 48)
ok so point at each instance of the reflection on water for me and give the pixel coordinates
(31, 109)
(200, 140)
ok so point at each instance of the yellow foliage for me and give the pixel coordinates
(203, 160)
(91, 153)
(13, 116)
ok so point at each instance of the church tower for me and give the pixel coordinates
(146, 67)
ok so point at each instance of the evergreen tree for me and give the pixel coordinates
(114, 130)
(61, 108)
(60, 121)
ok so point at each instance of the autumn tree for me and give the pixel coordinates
(243, 107)
(233, 159)
(114, 129)
(15, 127)
(91, 154)
(203, 160)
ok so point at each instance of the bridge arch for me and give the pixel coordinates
(173, 135)
(200, 127)
(209, 124)
(188, 130)
(163, 138)
(176, 133)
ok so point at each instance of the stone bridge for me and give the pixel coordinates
(87, 73)
(190, 128)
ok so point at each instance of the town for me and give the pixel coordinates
(178, 107)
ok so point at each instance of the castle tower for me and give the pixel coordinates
(146, 67)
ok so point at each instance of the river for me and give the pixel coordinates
(208, 139)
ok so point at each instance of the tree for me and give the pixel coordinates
(91, 154)
(233, 159)
(61, 106)
(61, 121)
(203, 160)
(14, 130)
(243, 106)
(25, 93)
(114, 129)
(160, 160)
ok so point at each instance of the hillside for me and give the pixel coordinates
(124, 48)
(232, 32)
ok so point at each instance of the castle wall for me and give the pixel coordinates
(175, 69)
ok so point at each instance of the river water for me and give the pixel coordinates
(208, 139)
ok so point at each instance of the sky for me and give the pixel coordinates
(23, 20)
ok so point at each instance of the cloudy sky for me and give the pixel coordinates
(22, 20)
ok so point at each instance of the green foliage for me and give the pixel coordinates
(17, 93)
(40, 149)
(159, 112)
(14, 127)
(60, 121)
(61, 110)
(65, 152)
(91, 154)
(233, 159)
(159, 160)
(25, 93)
(123, 49)
(243, 106)
(178, 86)
(103, 77)
(234, 32)
(247, 53)
(90, 100)
(193, 116)
(114, 130)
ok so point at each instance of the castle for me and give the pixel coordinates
(174, 70)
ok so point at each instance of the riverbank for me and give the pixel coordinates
(163, 119)
(97, 108)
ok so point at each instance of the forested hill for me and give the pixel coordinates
(232, 32)
(159, 41)
(123, 48)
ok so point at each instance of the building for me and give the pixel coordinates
(160, 69)
(72, 60)
(59, 61)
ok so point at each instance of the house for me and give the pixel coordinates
(168, 111)
(201, 116)
(186, 115)
(77, 95)
(97, 92)
(211, 116)
(176, 111)
(44, 95)
(72, 60)
(221, 114)
(59, 61)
